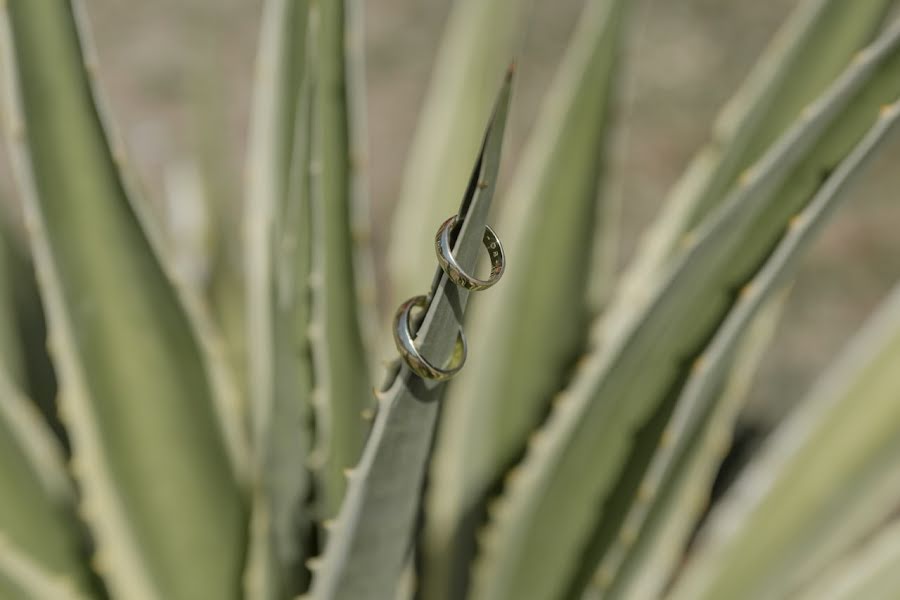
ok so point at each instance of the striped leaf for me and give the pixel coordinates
(369, 543)
(342, 384)
(828, 478)
(277, 295)
(132, 373)
(480, 40)
(37, 503)
(528, 549)
(548, 228)
(814, 45)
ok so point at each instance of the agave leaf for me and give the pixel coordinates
(357, 159)
(27, 362)
(34, 440)
(812, 48)
(817, 40)
(227, 398)
(135, 394)
(549, 228)
(21, 578)
(188, 216)
(826, 480)
(277, 272)
(529, 550)
(870, 571)
(698, 397)
(648, 565)
(37, 494)
(481, 37)
(808, 52)
(406, 589)
(340, 357)
(37, 497)
(371, 539)
(10, 349)
(279, 65)
(225, 187)
(291, 432)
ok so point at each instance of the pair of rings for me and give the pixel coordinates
(403, 337)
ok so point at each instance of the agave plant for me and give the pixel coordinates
(145, 454)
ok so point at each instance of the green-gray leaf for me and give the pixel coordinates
(342, 386)
(36, 505)
(370, 541)
(277, 275)
(871, 571)
(676, 504)
(10, 348)
(812, 47)
(168, 517)
(480, 40)
(528, 549)
(826, 480)
(548, 227)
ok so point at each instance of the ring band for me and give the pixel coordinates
(455, 272)
(407, 348)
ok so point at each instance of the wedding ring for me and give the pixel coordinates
(455, 272)
(404, 340)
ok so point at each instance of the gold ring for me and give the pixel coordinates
(416, 362)
(455, 272)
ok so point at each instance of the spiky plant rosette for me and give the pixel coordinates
(150, 451)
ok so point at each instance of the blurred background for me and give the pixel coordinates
(179, 73)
